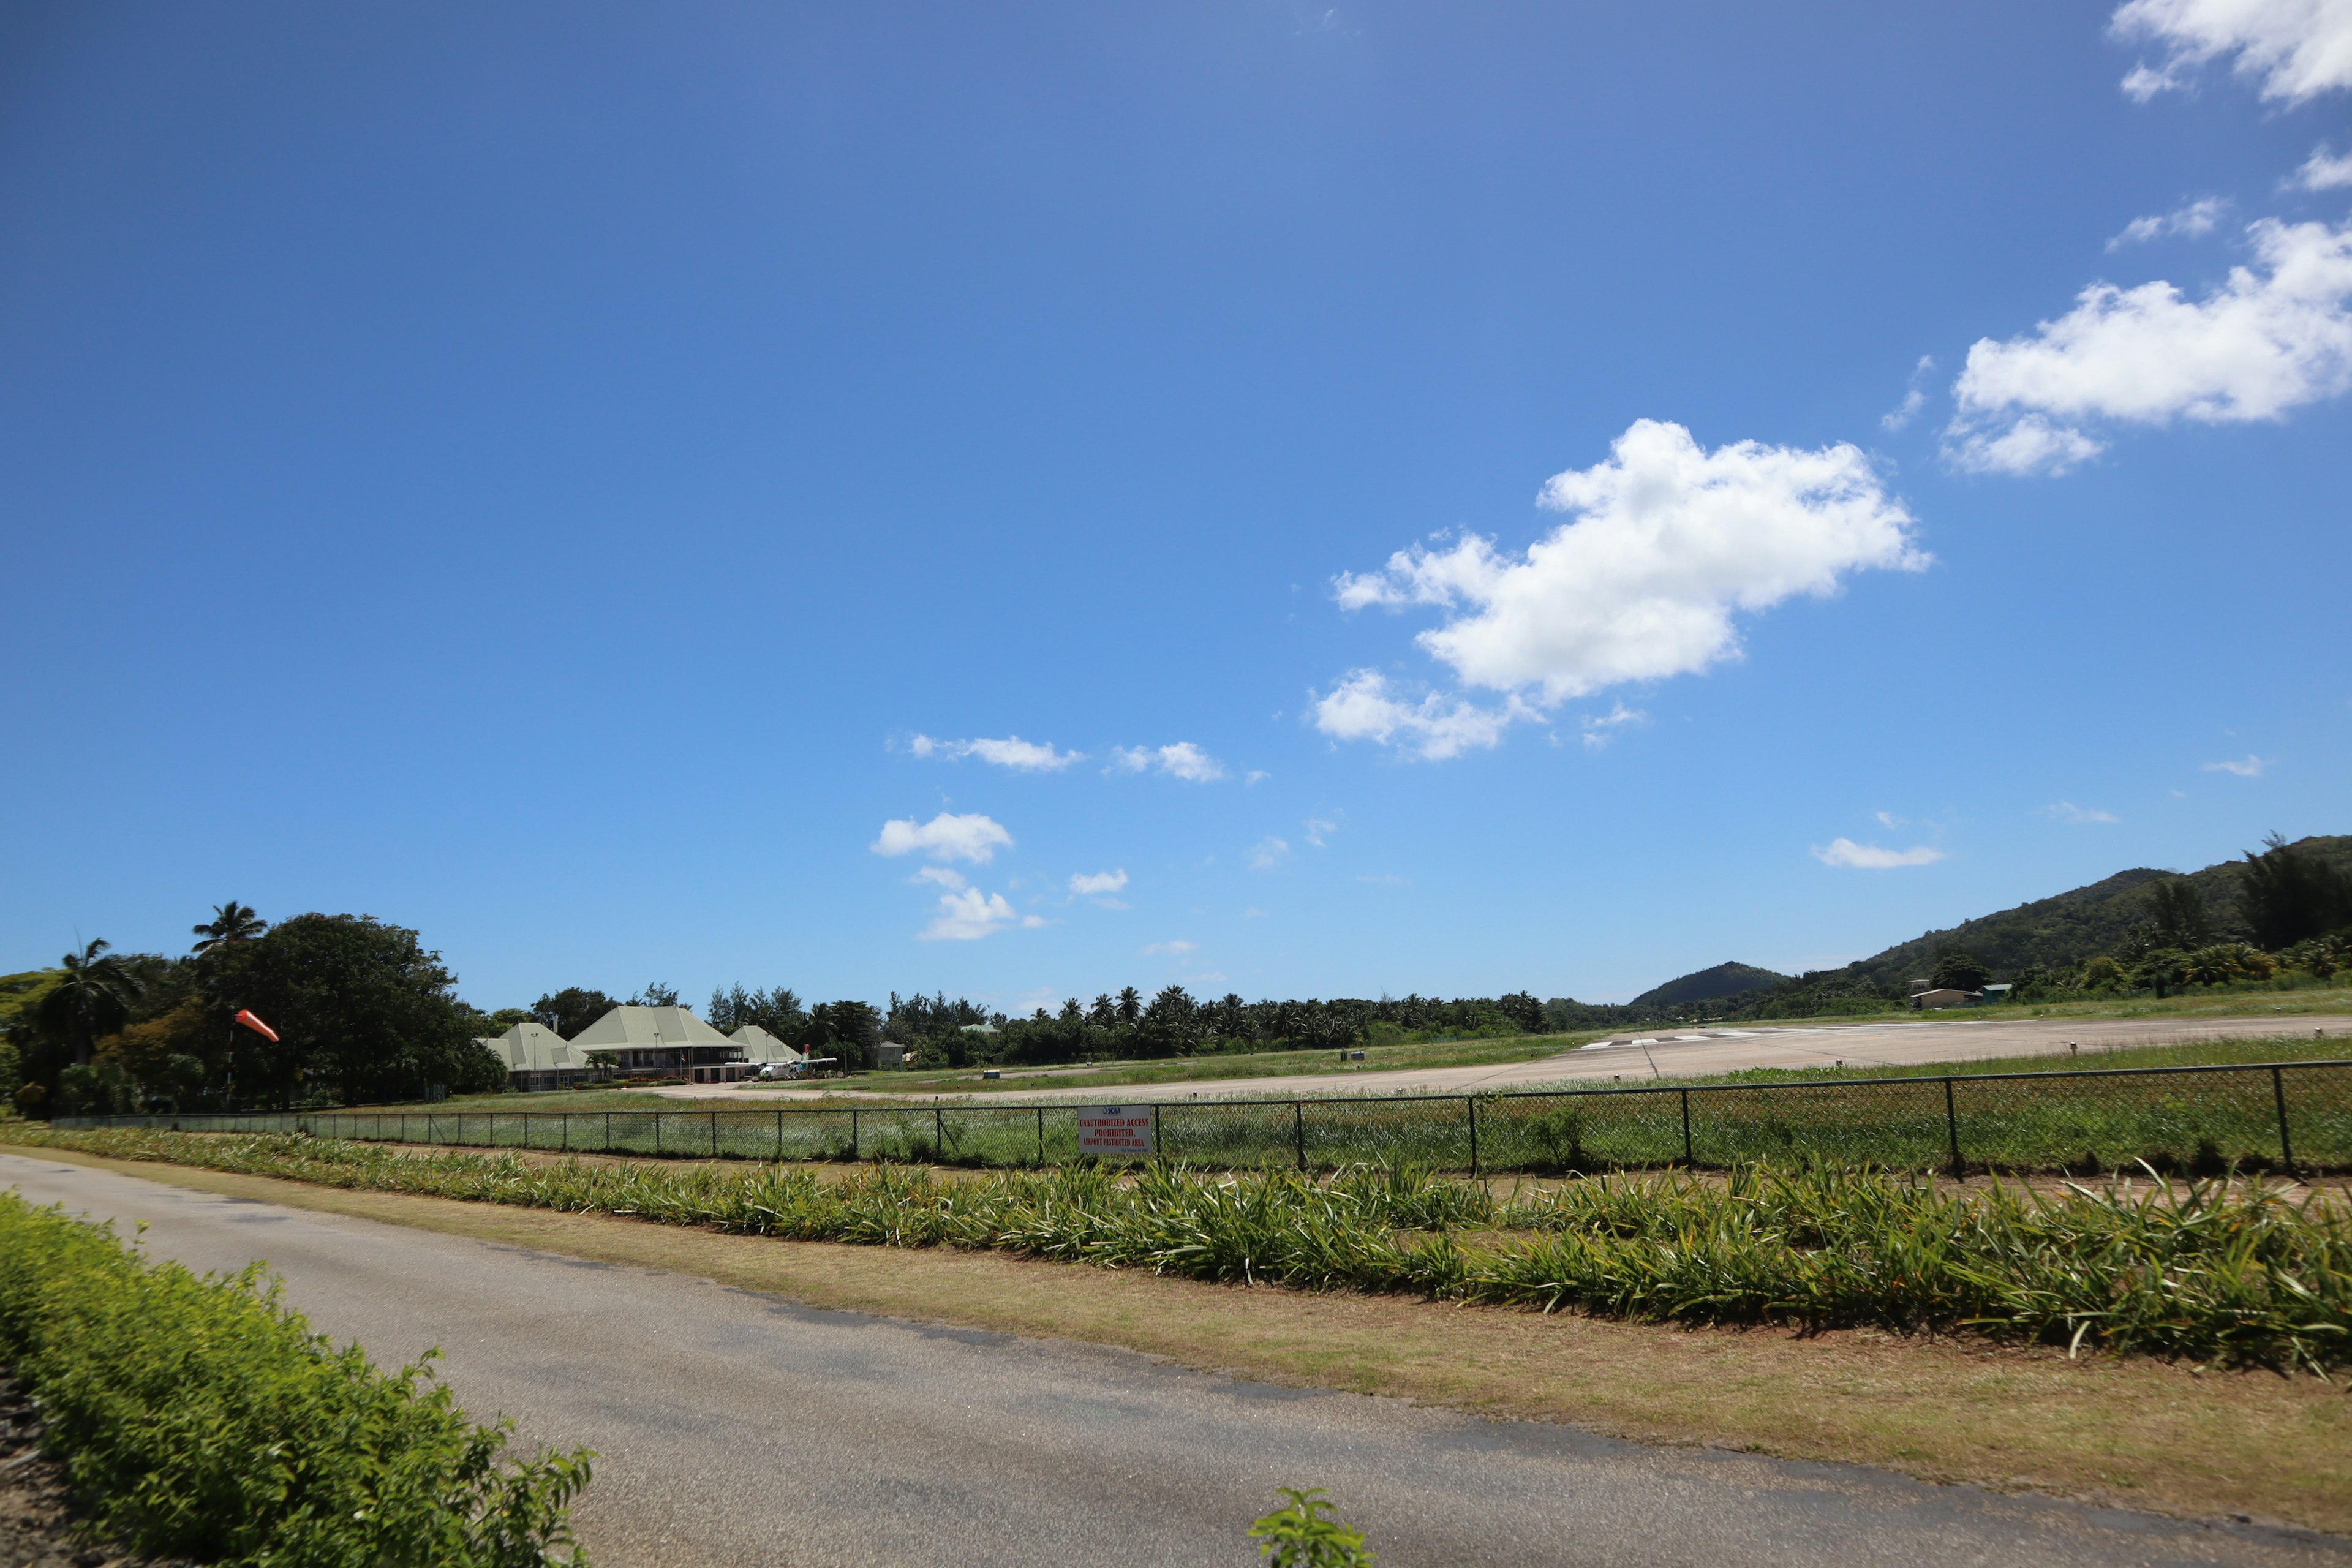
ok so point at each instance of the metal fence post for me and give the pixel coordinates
(1155, 1129)
(566, 1129)
(1298, 1121)
(853, 1133)
(780, 1137)
(1041, 1135)
(1952, 1126)
(1472, 1101)
(657, 1116)
(939, 1131)
(714, 1135)
(608, 1133)
(494, 1128)
(1690, 1160)
(2286, 1145)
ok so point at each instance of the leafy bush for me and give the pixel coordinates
(205, 1420)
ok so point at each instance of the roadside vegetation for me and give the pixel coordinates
(201, 1419)
(2215, 1272)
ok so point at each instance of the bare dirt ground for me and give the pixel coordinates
(1679, 1053)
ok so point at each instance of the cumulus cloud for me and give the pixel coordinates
(1845, 852)
(1268, 853)
(2197, 218)
(1363, 707)
(2067, 811)
(941, 875)
(2273, 337)
(2295, 49)
(970, 914)
(1183, 760)
(2324, 169)
(1319, 828)
(1097, 884)
(1170, 949)
(971, 837)
(2252, 767)
(1668, 541)
(1011, 752)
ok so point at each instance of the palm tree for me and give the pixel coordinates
(231, 922)
(94, 997)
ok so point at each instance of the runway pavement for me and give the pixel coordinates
(739, 1429)
(1675, 1053)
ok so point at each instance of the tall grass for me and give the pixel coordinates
(203, 1420)
(2209, 1271)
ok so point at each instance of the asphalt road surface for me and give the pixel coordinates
(735, 1428)
(1677, 1053)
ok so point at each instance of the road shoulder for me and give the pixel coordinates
(2131, 1432)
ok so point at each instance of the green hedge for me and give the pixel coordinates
(200, 1418)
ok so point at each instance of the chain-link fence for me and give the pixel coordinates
(2289, 1116)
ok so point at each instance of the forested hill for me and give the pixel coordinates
(1723, 980)
(2072, 926)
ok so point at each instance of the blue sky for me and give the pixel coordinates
(571, 479)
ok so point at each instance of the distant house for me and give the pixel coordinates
(537, 1057)
(1943, 996)
(891, 1054)
(661, 1042)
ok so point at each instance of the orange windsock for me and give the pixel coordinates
(246, 1017)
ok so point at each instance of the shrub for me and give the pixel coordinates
(1300, 1536)
(205, 1420)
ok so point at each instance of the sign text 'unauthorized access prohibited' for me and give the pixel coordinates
(1115, 1130)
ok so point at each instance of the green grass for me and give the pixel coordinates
(202, 1419)
(2050, 1119)
(2214, 1272)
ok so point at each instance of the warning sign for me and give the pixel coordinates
(1115, 1130)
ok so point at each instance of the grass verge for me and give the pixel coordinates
(2123, 1429)
(202, 1419)
(2230, 1274)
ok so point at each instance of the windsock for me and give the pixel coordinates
(246, 1017)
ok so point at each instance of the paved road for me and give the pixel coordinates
(1681, 1053)
(738, 1429)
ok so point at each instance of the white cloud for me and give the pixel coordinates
(2252, 767)
(1319, 828)
(1183, 760)
(970, 914)
(2299, 48)
(2067, 811)
(1667, 542)
(1170, 949)
(1887, 819)
(1599, 732)
(2198, 217)
(1097, 884)
(971, 837)
(2323, 170)
(2270, 339)
(1914, 399)
(1011, 752)
(1268, 853)
(943, 876)
(1360, 707)
(1845, 852)
(2028, 445)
